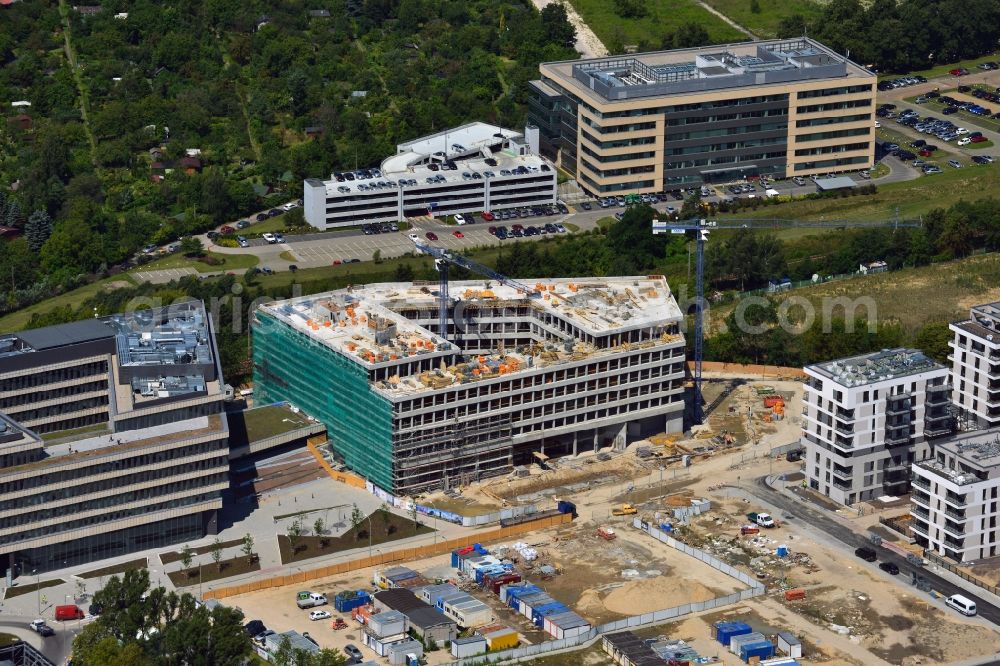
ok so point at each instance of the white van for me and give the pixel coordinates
(963, 605)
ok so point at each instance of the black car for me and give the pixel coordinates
(255, 628)
(867, 554)
(562, 209)
(585, 205)
(95, 609)
(260, 217)
(889, 568)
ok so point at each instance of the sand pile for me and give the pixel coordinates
(646, 596)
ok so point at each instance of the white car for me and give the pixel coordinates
(270, 238)
(319, 615)
(459, 219)
(964, 141)
(877, 124)
(290, 205)
(961, 130)
(415, 238)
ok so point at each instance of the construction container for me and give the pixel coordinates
(779, 661)
(737, 642)
(794, 595)
(404, 653)
(468, 611)
(494, 583)
(539, 613)
(500, 637)
(725, 631)
(468, 646)
(345, 602)
(431, 593)
(760, 650)
(565, 506)
(509, 594)
(789, 644)
(528, 602)
(387, 623)
(565, 625)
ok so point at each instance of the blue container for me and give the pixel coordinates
(666, 527)
(726, 630)
(514, 594)
(539, 614)
(565, 506)
(782, 551)
(762, 649)
(348, 602)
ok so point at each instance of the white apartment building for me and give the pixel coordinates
(521, 374)
(975, 367)
(864, 418)
(468, 169)
(954, 498)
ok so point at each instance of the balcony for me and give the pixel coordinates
(919, 498)
(954, 530)
(844, 429)
(955, 500)
(953, 514)
(843, 485)
(896, 438)
(844, 473)
(920, 528)
(921, 482)
(921, 512)
(844, 414)
(958, 544)
(897, 408)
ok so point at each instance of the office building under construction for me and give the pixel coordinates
(519, 376)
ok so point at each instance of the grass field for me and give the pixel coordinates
(943, 69)
(228, 263)
(175, 555)
(664, 16)
(765, 22)
(16, 321)
(913, 198)
(31, 587)
(913, 297)
(116, 569)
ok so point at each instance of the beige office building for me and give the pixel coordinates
(659, 121)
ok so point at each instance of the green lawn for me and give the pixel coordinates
(664, 17)
(268, 421)
(224, 569)
(175, 555)
(116, 569)
(227, 262)
(980, 145)
(16, 321)
(765, 22)
(31, 587)
(8, 639)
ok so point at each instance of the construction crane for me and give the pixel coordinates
(701, 229)
(443, 259)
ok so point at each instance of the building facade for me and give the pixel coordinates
(573, 365)
(866, 418)
(468, 169)
(659, 121)
(954, 503)
(116, 439)
(975, 368)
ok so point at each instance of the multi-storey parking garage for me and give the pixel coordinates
(575, 365)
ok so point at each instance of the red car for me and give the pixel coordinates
(487, 216)
(925, 153)
(517, 227)
(431, 235)
(977, 139)
(492, 230)
(458, 234)
(227, 230)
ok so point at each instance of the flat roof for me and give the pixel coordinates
(702, 69)
(14, 436)
(363, 324)
(978, 448)
(61, 335)
(875, 367)
(455, 142)
(835, 183)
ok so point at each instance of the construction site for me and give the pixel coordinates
(420, 389)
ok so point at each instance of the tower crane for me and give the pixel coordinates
(443, 259)
(701, 228)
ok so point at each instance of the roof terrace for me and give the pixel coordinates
(884, 365)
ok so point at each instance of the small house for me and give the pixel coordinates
(88, 10)
(789, 644)
(190, 165)
(873, 267)
(499, 637)
(319, 13)
(468, 646)
(388, 623)
(430, 624)
(403, 653)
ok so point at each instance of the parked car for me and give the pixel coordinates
(458, 234)
(585, 205)
(867, 554)
(254, 628)
(430, 235)
(889, 568)
(270, 238)
(227, 230)
(319, 615)
(415, 238)
(955, 164)
(352, 651)
(279, 237)
(243, 224)
(459, 219)
(487, 216)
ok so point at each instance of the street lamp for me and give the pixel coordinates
(38, 591)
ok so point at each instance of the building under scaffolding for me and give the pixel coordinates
(576, 365)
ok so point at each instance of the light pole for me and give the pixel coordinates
(38, 591)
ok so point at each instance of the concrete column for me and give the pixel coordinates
(595, 440)
(574, 442)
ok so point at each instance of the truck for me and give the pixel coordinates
(762, 519)
(309, 599)
(41, 628)
(624, 510)
(606, 533)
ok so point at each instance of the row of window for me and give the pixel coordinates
(833, 120)
(729, 131)
(724, 159)
(830, 92)
(111, 501)
(616, 188)
(57, 409)
(46, 477)
(732, 145)
(641, 155)
(21, 382)
(613, 129)
(625, 143)
(835, 106)
(826, 164)
(108, 516)
(725, 117)
(835, 134)
(31, 397)
(826, 150)
(611, 173)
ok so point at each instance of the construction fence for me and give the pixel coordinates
(403, 554)
(965, 575)
(755, 589)
(775, 371)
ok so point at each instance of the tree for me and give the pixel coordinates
(691, 34)
(295, 219)
(386, 517)
(631, 9)
(192, 247)
(248, 547)
(38, 229)
(377, 256)
(217, 553)
(357, 518)
(186, 559)
(755, 6)
(792, 26)
(555, 21)
(295, 535)
(413, 515)
(13, 215)
(319, 529)
(933, 340)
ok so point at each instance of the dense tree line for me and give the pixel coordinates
(906, 35)
(240, 82)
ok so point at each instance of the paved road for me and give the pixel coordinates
(803, 510)
(56, 647)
